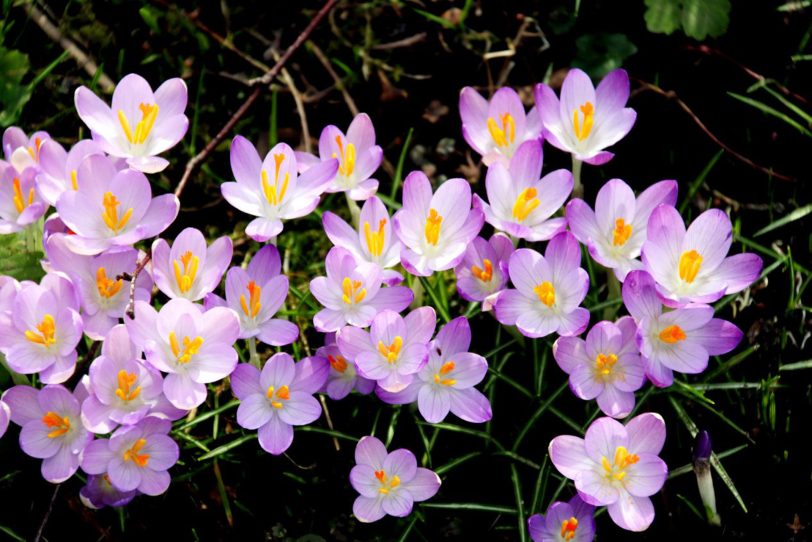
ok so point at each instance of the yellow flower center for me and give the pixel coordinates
(621, 233)
(110, 213)
(503, 136)
(45, 333)
(107, 287)
(125, 383)
(689, 264)
(525, 204)
(74, 180)
(338, 363)
(604, 363)
(20, 203)
(672, 334)
(133, 454)
(190, 347)
(433, 223)
(252, 306)
(392, 351)
(486, 274)
(568, 528)
(582, 130)
(273, 192)
(149, 112)
(546, 293)
(447, 367)
(616, 471)
(346, 163)
(353, 293)
(387, 484)
(374, 238)
(185, 277)
(34, 151)
(276, 396)
(59, 426)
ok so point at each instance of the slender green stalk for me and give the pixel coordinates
(577, 187)
(355, 211)
(252, 349)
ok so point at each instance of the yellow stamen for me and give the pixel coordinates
(110, 213)
(672, 334)
(446, 368)
(616, 471)
(346, 165)
(338, 363)
(149, 112)
(568, 528)
(374, 239)
(33, 152)
(186, 277)
(604, 363)
(133, 453)
(588, 111)
(273, 192)
(505, 135)
(281, 394)
(74, 180)
(392, 351)
(485, 275)
(59, 425)
(386, 485)
(20, 203)
(433, 223)
(353, 293)
(45, 334)
(525, 204)
(107, 287)
(190, 347)
(252, 307)
(125, 382)
(546, 293)
(689, 264)
(621, 233)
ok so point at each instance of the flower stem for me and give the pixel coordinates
(614, 293)
(355, 211)
(577, 187)
(252, 350)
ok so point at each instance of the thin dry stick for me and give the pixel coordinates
(297, 99)
(671, 95)
(130, 311)
(258, 84)
(338, 81)
(47, 514)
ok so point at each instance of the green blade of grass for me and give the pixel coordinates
(517, 493)
(397, 180)
(766, 109)
(470, 506)
(797, 366)
(797, 214)
(694, 187)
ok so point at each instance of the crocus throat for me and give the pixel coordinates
(387, 484)
(346, 164)
(107, 287)
(252, 307)
(273, 192)
(185, 277)
(525, 204)
(616, 471)
(433, 224)
(672, 334)
(689, 264)
(338, 363)
(392, 351)
(190, 347)
(277, 395)
(45, 333)
(604, 363)
(20, 203)
(486, 274)
(133, 453)
(446, 368)
(353, 292)
(110, 213)
(546, 293)
(149, 112)
(125, 390)
(374, 239)
(503, 136)
(621, 233)
(59, 426)
(568, 528)
(582, 130)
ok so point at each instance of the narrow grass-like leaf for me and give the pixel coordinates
(397, 180)
(220, 450)
(697, 182)
(470, 506)
(771, 111)
(797, 214)
(798, 365)
(517, 493)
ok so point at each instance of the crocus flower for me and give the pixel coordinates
(616, 230)
(278, 398)
(124, 388)
(20, 202)
(52, 428)
(358, 157)
(100, 282)
(483, 272)
(692, 265)
(704, 478)
(272, 190)
(446, 383)
(521, 202)
(496, 128)
(389, 483)
(21, 151)
(394, 348)
(190, 269)
(616, 466)
(112, 208)
(194, 347)
(606, 367)
(343, 376)
(59, 170)
(140, 124)
(135, 457)
(586, 120)
(5, 417)
(678, 340)
(352, 293)
(548, 290)
(42, 330)
(373, 242)
(99, 492)
(572, 521)
(435, 228)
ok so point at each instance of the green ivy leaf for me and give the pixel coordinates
(598, 54)
(703, 18)
(663, 16)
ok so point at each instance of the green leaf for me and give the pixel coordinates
(13, 94)
(703, 18)
(663, 16)
(598, 54)
(17, 260)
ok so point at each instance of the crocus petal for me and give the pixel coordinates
(370, 451)
(254, 411)
(568, 454)
(275, 436)
(424, 485)
(646, 433)
(632, 513)
(368, 509)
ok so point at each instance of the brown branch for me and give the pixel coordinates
(258, 84)
(338, 81)
(405, 42)
(130, 311)
(671, 95)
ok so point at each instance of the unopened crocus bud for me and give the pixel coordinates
(702, 456)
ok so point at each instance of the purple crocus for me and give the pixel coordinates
(521, 202)
(140, 124)
(616, 466)
(278, 398)
(100, 282)
(21, 151)
(52, 428)
(99, 492)
(549, 290)
(59, 170)
(352, 293)
(678, 340)
(190, 269)
(40, 333)
(587, 119)
(20, 202)
(495, 128)
(194, 347)
(389, 483)
(572, 521)
(343, 376)
(393, 350)
(358, 157)
(483, 272)
(5, 417)
(435, 228)
(691, 266)
(373, 242)
(135, 457)
(446, 383)
(124, 388)
(606, 367)
(112, 208)
(616, 230)
(272, 190)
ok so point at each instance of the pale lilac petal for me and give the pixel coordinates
(368, 509)
(245, 380)
(603, 437)
(738, 272)
(646, 477)
(398, 504)
(61, 466)
(471, 405)
(35, 442)
(568, 454)
(278, 332)
(154, 482)
(363, 480)
(275, 436)
(594, 489)
(254, 411)
(632, 513)
(424, 485)
(613, 91)
(370, 451)
(433, 403)
(301, 409)
(646, 433)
